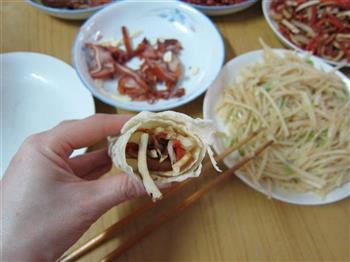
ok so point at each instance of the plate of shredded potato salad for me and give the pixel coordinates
(301, 103)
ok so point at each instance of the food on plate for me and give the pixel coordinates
(162, 147)
(321, 27)
(74, 4)
(304, 109)
(214, 2)
(157, 77)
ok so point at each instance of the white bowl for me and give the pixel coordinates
(225, 9)
(283, 39)
(202, 44)
(37, 92)
(227, 75)
(69, 14)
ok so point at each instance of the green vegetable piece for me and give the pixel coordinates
(228, 141)
(241, 152)
(267, 88)
(288, 169)
(283, 103)
(322, 138)
(309, 61)
(310, 136)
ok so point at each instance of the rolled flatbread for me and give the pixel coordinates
(162, 147)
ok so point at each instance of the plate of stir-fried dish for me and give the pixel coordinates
(69, 9)
(320, 27)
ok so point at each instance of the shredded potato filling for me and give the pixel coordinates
(150, 186)
(159, 153)
(171, 152)
(304, 109)
(177, 166)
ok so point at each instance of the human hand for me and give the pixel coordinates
(49, 200)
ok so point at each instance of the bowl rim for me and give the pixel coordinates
(223, 7)
(130, 106)
(65, 10)
(43, 58)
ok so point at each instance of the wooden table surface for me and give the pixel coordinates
(232, 222)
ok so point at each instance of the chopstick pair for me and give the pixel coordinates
(167, 215)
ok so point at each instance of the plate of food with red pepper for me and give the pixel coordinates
(69, 9)
(162, 56)
(220, 7)
(320, 27)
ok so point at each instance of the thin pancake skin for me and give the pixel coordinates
(201, 131)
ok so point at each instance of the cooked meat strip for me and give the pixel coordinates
(131, 151)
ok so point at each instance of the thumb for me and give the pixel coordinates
(104, 193)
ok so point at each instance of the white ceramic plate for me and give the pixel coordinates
(282, 38)
(202, 46)
(227, 75)
(225, 9)
(64, 13)
(37, 92)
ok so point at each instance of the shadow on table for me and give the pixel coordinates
(229, 52)
(75, 23)
(251, 13)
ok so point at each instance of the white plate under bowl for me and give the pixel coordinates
(283, 39)
(65, 13)
(227, 76)
(225, 9)
(37, 92)
(202, 45)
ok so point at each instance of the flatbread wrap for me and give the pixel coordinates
(162, 147)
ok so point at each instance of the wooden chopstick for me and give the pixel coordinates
(110, 231)
(233, 148)
(189, 201)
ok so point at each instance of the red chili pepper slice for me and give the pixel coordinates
(346, 51)
(179, 92)
(160, 72)
(313, 15)
(284, 31)
(312, 45)
(179, 150)
(127, 42)
(161, 135)
(343, 3)
(333, 20)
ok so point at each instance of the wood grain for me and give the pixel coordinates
(232, 222)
